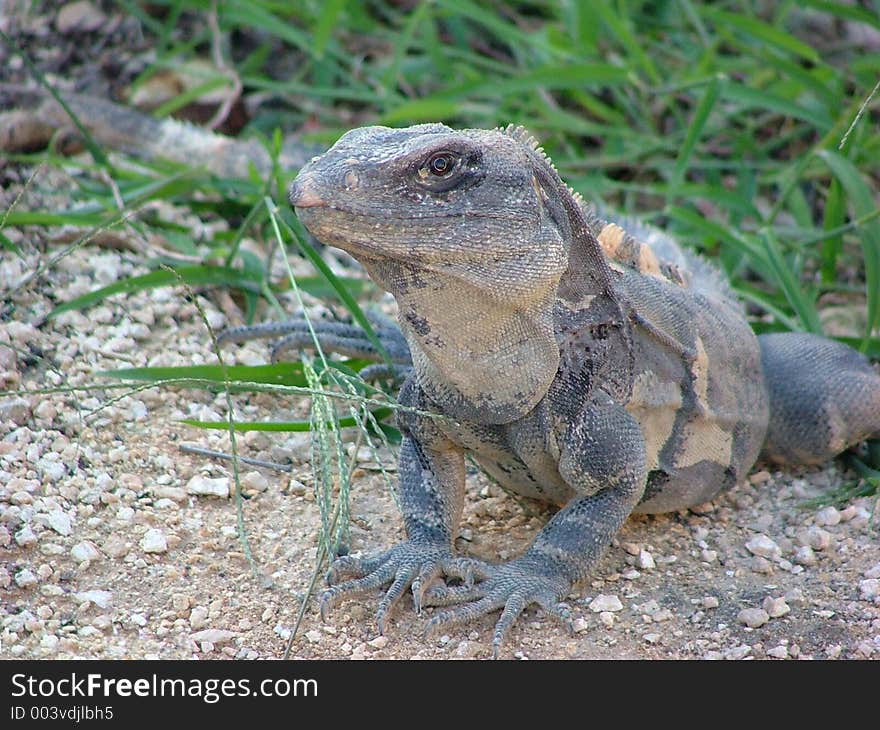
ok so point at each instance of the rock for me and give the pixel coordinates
(102, 599)
(710, 556)
(646, 560)
(869, 589)
(709, 602)
(815, 537)
(607, 619)
(580, 625)
(753, 617)
(605, 603)
(80, 17)
(468, 649)
(175, 494)
(254, 481)
(213, 636)
(25, 537)
(804, 555)
(25, 578)
(313, 637)
(198, 617)
(763, 546)
(85, 550)
(115, 546)
(380, 642)
(14, 410)
(827, 516)
(738, 652)
(154, 541)
(775, 607)
(60, 522)
(873, 572)
(203, 486)
(778, 652)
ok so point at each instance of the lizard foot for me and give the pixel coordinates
(512, 587)
(407, 565)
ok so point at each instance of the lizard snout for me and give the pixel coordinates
(303, 192)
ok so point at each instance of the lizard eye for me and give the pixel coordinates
(440, 164)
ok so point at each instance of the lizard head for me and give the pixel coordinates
(424, 194)
(471, 231)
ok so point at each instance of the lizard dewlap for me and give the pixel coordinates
(589, 363)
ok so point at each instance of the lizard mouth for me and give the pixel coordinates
(303, 193)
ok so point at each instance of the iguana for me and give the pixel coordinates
(592, 364)
(606, 371)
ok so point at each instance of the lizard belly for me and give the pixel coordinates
(530, 472)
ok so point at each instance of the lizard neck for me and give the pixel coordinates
(485, 351)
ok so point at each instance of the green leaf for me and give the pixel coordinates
(282, 373)
(695, 130)
(761, 32)
(192, 275)
(803, 304)
(863, 203)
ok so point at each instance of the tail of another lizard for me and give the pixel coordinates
(36, 117)
(824, 397)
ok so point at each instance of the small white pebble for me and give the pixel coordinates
(605, 603)
(804, 555)
(60, 522)
(198, 617)
(154, 541)
(775, 607)
(763, 546)
(827, 516)
(207, 487)
(709, 602)
(380, 642)
(85, 550)
(815, 537)
(753, 617)
(25, 537)
(25, 578)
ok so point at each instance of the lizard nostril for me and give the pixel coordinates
(302, 193)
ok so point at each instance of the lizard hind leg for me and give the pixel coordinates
(824, 397)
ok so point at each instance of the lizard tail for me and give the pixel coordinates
(824, 397)
(35, 117)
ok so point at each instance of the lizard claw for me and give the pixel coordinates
(406, 565)
(511, 587)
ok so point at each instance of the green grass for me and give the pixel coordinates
(751, 137)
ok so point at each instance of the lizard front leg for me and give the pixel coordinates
(603, 459)
(431, 495)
